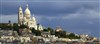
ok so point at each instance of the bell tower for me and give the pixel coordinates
(20, 16)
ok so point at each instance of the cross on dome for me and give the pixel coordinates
(27, 5)
(27, 11)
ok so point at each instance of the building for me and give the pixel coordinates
(84, 36)
(48, 37)
(58, 29)
(26, 19)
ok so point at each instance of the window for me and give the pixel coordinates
(20, 13)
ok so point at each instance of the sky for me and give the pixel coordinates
(77, 16)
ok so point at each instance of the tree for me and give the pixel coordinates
(4, 26)
(9, 22)
(61, 34)
(16, 28)
(45, 30)
(9, 25)
(72, 36)
(36, 32)
(23, 26)
(49, 29)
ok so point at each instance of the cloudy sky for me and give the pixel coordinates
(77, 16)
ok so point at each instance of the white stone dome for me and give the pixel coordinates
(33, 18)
(27, 11)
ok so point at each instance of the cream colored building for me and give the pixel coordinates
(26, 18)
(58, 29)
(20, 16)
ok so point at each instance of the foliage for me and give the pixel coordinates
(16, 28)
(60, 34)
(36, 32)
(72, 36)
(49, 29)
(6, 26)
(23, 26)
(45, 30)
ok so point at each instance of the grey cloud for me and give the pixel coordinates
(80, 14)
(6, 18)
(50, 8)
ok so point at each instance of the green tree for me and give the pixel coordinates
(36, 32)
(72, 36)
(61, 34)
(16, 28)
(23, 26)
(4, 26)
(45, 30)
(49, 29)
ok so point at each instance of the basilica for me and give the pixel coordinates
(26, 19)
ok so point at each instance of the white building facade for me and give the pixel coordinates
(26, 18)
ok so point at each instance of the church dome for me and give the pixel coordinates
(33, 18)
(27, 11)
